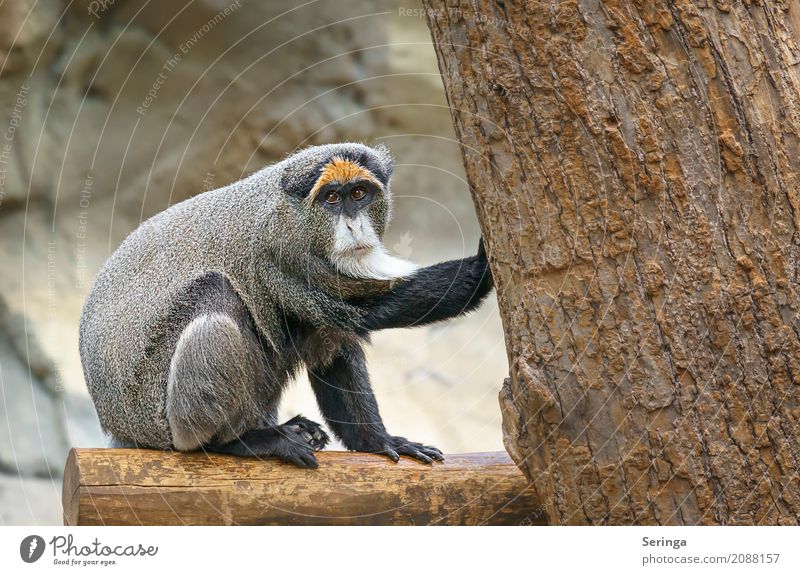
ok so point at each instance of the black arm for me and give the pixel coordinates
(434, 293)
(345, 398)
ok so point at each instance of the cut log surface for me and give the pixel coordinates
(144, 487)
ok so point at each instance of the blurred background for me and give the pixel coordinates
(111, 110)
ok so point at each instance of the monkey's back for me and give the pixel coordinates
(127, 335)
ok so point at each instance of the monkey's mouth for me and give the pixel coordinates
(361, 249)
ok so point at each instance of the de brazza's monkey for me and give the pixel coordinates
(194, 326)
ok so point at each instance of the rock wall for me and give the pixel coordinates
(110, 111)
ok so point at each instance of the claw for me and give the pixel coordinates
(432, 452)
(395, 446)
(392, 454)
(421, 457)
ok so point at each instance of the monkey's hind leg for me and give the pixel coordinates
(220, 394)
(210, 382)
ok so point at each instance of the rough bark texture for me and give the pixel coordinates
(635, 170)
(143, 487)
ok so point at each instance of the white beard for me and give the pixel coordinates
(358, 252)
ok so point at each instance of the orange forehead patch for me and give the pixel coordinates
(339, 171)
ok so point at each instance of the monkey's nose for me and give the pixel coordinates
(352, 226)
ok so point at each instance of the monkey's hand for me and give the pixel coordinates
(481, 258)
(393, 446)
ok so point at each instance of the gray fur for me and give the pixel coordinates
(183, 337)
(208, 399)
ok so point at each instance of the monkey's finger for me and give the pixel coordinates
(319, 441)
(289, 428)
(298, 454)
(300, 439)
(315, 444)
(306, 459)
(418, 455)
(428, 449)
(433, 453)
(391, 454)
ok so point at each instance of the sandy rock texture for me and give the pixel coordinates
(112, 111)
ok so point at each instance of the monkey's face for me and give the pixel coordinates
(346, 208)
(355, 232)
(358, 213)
(353, 203)
(354, 206)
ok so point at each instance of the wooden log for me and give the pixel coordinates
(144, 487)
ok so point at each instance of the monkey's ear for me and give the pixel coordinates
(298, 183)
(377, 160)
(386, 159)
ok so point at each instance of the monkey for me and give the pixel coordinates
(196, 323)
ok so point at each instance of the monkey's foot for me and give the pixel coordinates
(394, 446)
(289, 443)
(311, 431)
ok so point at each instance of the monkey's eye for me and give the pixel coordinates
(332, 197)
(358, 193)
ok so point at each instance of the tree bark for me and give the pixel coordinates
(634, 166)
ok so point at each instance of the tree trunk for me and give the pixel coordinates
(635, 170)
